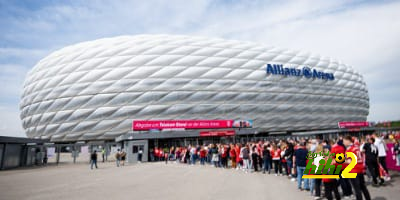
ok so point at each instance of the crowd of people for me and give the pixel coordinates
(290, 157)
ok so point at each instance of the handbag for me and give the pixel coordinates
(383, 174)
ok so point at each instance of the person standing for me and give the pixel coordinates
(300, 158)
(254, 158)
(123, 157)
(193, 155)
(330, 185)
(187, 155)
(103, 153)
(166, 154)
(151, 155)
(172, 153)
(118, 157)
(343, 182)
(357, 183)
(371, 160)
(289, 157)
(317, 182)
(224, 156)
(214, 154)
(220, 150)
(156, 152)
(397, 152)
(178, 152)
(203, 153)
(93, 159)
(382, 148)
(246, 158)
(140, 154)
(239, 161)
(232, 155)
(266, 158)
(276, 157)
(283, 161)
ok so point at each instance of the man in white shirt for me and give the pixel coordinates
(381, 151)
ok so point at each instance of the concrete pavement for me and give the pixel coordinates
(154, 181)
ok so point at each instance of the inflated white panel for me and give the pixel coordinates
(94, 90)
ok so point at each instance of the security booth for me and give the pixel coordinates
(18, 152)
(137, 150)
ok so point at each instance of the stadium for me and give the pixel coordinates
(98, 90)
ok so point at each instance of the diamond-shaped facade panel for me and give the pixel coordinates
(94, 90)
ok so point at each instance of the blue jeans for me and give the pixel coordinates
(289, 166)
(193, 158)
(94, 162)
(246, 165)
(300, 171)
(306, 183)
(202, 161)
(266, 165)
(312, 184)
(398, 158)
(118, 161)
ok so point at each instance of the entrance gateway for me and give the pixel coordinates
(150, 134)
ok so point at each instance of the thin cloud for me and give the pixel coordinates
(361, 34)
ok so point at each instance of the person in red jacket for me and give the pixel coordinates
(276, 158)
(344, 183)
(232, 155)
(203, 154)
(330, 185)
(238, 156)
(156, 153)
(224, 156)
(358, 183)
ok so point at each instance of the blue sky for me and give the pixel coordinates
(364, 34)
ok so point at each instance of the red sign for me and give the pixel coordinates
(217, 133)
(352, 124)
(141, 125)
(391, 158)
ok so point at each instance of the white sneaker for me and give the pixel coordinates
(293, 179)
(276, 174)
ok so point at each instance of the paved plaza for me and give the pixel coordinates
(154, 181)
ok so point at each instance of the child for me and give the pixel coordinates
(330, 184)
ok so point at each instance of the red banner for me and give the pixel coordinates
(141, 125)
(217, 133)
(391, 161)
(352, 124)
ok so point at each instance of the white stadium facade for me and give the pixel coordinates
(96, 90)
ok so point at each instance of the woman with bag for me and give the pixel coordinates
(215, 156)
